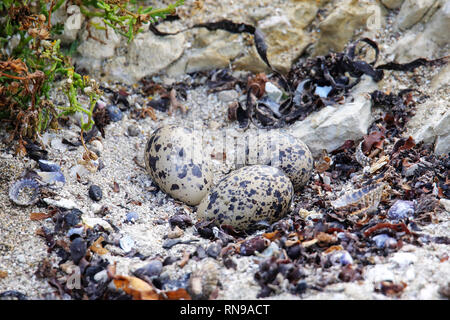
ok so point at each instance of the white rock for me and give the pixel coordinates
(442, 78)
(330, 127)
(147, 54)
(73, 24)
(91, 48)
(392, 4)
(445, 203)
(431, 124)
(428, 42)
(62, 203)
(412, 12)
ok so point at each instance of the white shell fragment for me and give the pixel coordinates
(175, 160)
(365, 199)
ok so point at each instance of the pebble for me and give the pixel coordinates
(132, 216)
(115, 114)
(247, 196)
(77, 249)
(98, 145)
(95, 192)
(175, 160)
(153, 268)
(133, 131)
(73, 217)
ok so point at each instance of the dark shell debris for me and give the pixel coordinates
(341, 236)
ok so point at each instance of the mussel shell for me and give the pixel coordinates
(19, 196)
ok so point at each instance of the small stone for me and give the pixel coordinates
(153, 268)
(114, 113)
(97, 144)
(132, 216)
(133, 131)
(95, 192)
(77, 249)
(213, 250)
(73, 217)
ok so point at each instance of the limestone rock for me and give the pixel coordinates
(412, 12)
(431, 124)
(72, 20)
(426, 43)
(148, 54)
(97, 43)
(330, 127)
(442, 78)
(392, 4)
(339, 26)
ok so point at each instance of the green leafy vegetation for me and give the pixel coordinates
(31, 58)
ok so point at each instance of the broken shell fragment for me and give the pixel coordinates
(362, 200)
(24, 192)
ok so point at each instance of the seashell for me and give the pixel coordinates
(48, 166)
(401, 209)
(384, 241)
(204, 280)
(360, 157)
(126, 243)
(362, 200)
(24, 192)
(52, 178)
(62, 203)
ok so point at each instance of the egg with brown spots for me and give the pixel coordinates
(247, 196)
(283, 151)
(175, 160)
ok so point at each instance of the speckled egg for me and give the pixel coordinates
(175, 160)
(247, 196)
(282, 150)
